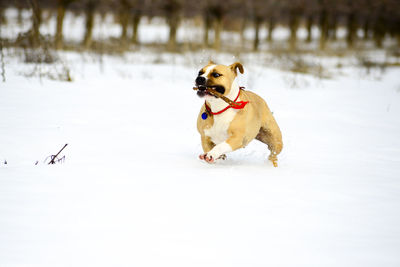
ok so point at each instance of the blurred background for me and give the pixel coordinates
(270, 27)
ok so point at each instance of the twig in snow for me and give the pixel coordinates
(54, 158)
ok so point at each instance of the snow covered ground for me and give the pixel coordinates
(132, 191)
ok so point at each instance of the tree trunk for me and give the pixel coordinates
(257, 24)
(271, 26)
(3, 19)
(379, 31)
(36, 22)
(366, 28)
(309, 23)
(293, 25)
(19, 13)
(242, 32)
(124, 21)
(135, 26)
(207, 26)
(59, 27)
(351, 29)
(217, 31)
(173, 22)
(333, 27)
(90, 8)
(398, 38)
(124, 18)
(323, 28)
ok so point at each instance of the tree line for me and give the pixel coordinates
(375, 20)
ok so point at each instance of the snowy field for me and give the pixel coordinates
(132, 191)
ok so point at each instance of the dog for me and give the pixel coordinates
(225, 128)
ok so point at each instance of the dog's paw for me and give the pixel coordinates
(207, 158)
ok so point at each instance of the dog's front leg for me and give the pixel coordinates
(206, 143)
(232, 143)
(216, 152)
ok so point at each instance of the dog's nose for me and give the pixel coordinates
(200, 80)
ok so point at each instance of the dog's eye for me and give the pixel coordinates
(215, 75)
(201, 73)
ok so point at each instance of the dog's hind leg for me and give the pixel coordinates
(274, 143)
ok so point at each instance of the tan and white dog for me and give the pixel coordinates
(224, 129)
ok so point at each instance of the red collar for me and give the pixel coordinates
(239, 105)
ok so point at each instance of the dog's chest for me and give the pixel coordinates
(218, 132)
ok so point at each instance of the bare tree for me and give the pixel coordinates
(124, 18)
(393, 20)
(61, 9)
(258, 10)
(139, 7)
(379, 29)
(3, 19)
(36, 22)
(218, 12)
(273, 14)
(323, 23)
(334, 17)
(309, 24)
(351, 23)
(386, 20)
(366, 15)
(90, 8)
(173, 12)
(295, 10)
(208, 19)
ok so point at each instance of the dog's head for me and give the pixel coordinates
(219, 77)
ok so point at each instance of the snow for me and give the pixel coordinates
(132, 191)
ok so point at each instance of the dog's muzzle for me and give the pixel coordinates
(201, 84)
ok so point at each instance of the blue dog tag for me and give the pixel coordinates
(204, 116)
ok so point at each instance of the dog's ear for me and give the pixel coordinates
(211, 62)
(235, 66)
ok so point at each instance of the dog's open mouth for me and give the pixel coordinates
(202, 93)
(202, 90)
